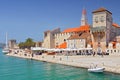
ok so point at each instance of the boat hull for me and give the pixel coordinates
(96, 70)
(5, 51)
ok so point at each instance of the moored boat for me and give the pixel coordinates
(5, 50)
(96, 69)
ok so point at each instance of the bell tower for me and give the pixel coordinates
(83, 18)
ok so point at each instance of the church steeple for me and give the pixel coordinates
(83, 18)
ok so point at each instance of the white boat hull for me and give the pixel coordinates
(5, 51)
(96, 70)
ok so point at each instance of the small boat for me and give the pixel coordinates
(5, 50)
(96, 69)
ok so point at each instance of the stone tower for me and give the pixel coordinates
(102, 30)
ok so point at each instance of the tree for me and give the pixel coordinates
(27, 44)
(21, 45)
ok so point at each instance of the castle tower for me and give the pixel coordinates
(83, 18)
(102, 28)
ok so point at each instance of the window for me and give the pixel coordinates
(96, 19)
(102, 18)
(114, 50)
(64, 40)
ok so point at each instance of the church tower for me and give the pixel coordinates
(83, 18)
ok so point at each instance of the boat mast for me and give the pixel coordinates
(6, 41)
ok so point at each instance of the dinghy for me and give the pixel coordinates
(96, 69)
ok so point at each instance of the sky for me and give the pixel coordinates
(23, 19)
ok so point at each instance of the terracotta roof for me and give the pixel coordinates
(63, 45)
(76, 36)
(70, 30)
(84, 28)
(101, 10)
(115, 25)
(78, 29)
(84, 35)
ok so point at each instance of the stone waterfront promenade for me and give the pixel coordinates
(109, 62)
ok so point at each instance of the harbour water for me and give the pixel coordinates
(12, 68)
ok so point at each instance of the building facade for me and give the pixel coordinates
(79, 41)
(49, 38)
(98, 36)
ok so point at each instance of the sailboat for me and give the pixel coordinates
(6, 49)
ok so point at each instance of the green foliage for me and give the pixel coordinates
(27, 44)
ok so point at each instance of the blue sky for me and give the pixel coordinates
(30, 18)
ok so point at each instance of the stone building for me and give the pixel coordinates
(38, 44)
(100, 35)
(12, 44)
(102, 30)
(49, 38)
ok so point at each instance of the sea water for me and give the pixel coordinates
(13, 68)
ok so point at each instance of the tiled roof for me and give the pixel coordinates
(101, 10)
(76, 36)
(115, 25)
(63, 45)
(84, 35)
(78, 29)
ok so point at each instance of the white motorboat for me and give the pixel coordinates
(96, 69)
